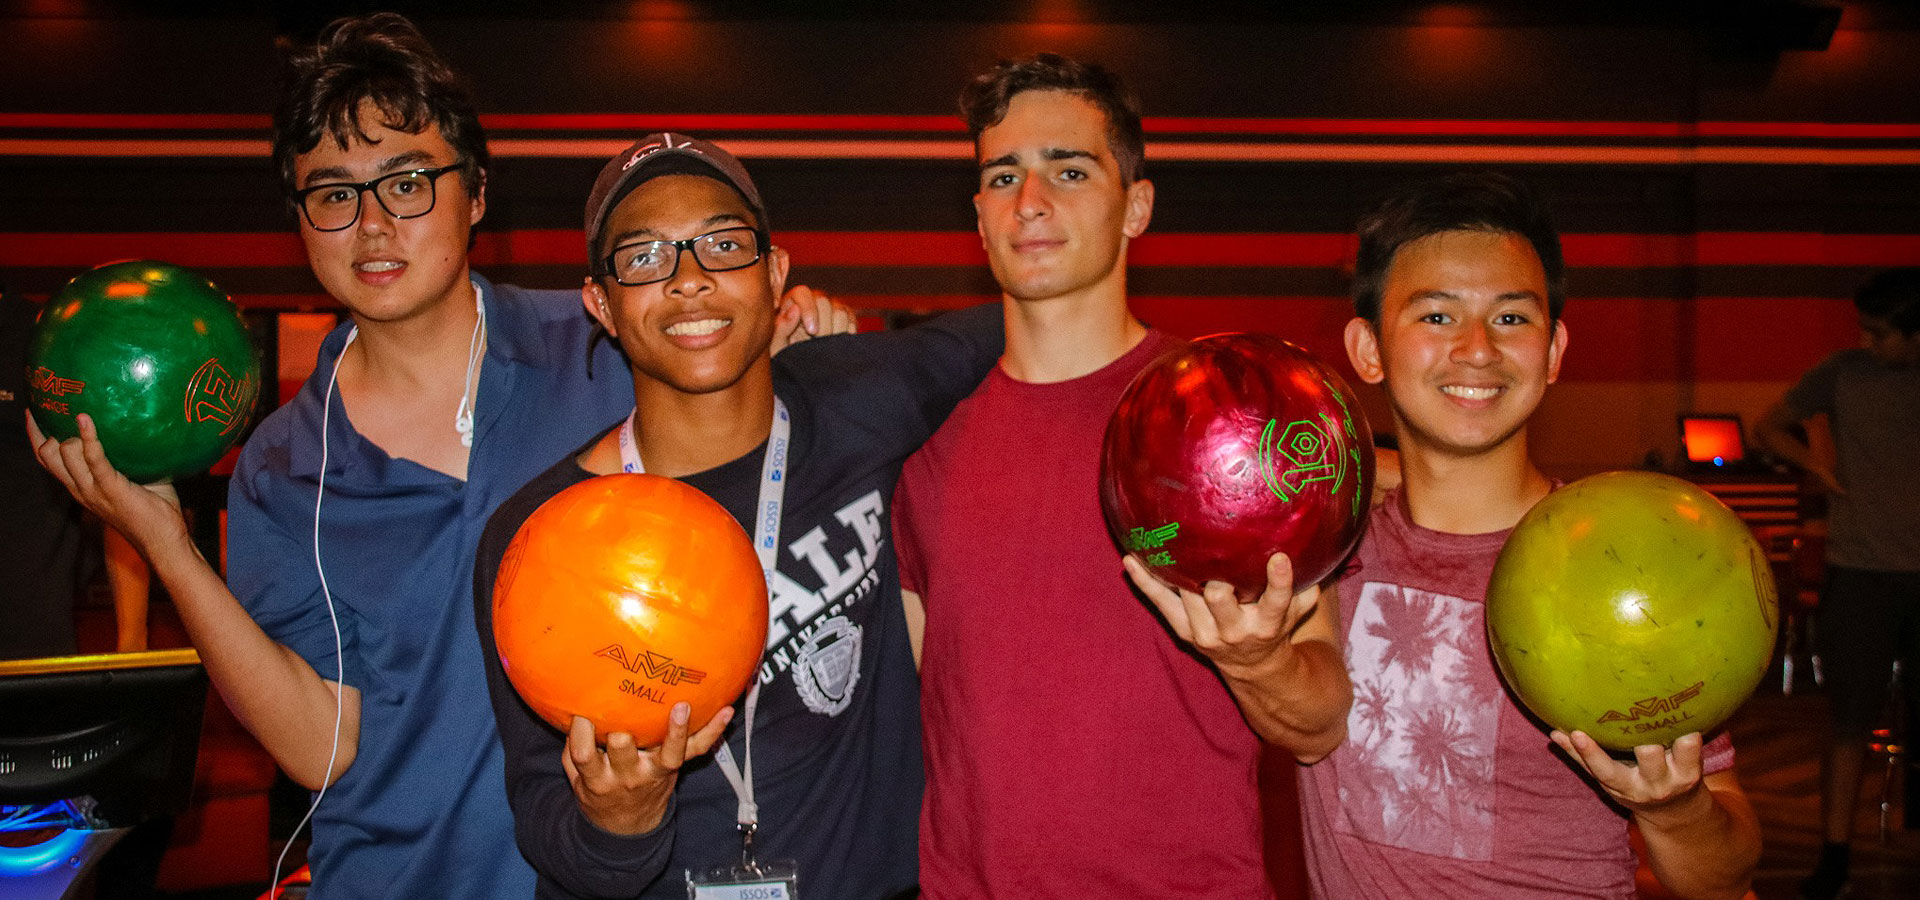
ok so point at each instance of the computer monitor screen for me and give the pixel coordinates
(121, 729)
(1712, 440)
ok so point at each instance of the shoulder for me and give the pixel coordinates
(544, 310)
(1841, 364)
(515, 510)
(550, 304)
(548, 331)
(269, 448)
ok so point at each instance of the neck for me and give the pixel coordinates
(417, 352)
(1063, 338)
(679, 433)
(1472, 494)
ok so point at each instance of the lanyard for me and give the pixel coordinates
(766, 537)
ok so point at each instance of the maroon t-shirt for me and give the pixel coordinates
(1444, 788)
(1073, 748)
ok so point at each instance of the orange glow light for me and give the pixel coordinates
(1715, 441)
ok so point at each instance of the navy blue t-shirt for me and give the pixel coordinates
(836, 741)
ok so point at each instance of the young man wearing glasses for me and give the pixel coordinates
(355, 509)
(686, 281)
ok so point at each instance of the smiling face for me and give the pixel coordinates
(1055, 213)
(1464, 344)
(697, 331)
(380, 267)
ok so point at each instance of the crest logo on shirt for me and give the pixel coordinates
(652, 665)
(827, 666)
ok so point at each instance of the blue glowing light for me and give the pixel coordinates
(17, 861)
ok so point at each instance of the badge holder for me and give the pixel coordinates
(749, 879)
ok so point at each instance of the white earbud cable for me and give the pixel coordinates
(339, 655)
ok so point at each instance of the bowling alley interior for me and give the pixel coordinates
(1725, 174)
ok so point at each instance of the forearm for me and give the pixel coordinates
(1706, 846)
(551, 828)
(129, 579)
(288, 707)
(1784, 445)
(1774, 432)
(1297, 701)
(569, 850)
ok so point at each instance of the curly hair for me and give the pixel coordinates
(380, 59)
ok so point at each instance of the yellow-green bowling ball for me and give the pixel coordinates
(1632, 606)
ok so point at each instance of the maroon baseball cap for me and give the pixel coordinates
(663, 153)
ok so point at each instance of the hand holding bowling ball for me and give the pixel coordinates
(625, 789)
(1229, 449)
(1632, 606)
(156, 355)
(1247, 641)
(623, 596)
(1656, 778)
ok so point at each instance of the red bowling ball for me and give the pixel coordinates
(1228, 449)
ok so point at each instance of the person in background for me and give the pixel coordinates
(1869, 612)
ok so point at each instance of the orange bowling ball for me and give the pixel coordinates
(624, 595)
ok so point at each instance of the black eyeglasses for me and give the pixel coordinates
(645, 262)
(404, 195)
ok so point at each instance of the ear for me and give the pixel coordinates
(979, 226)
(1139, 208)
(1555, 349)
(477, 204)
(777, 264)
(1363, 350)
(594, 298)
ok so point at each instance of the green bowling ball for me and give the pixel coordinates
(157, 355)
(1632, 606)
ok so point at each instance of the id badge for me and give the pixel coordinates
(762, 881)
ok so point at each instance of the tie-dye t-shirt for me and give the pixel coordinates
(1444, 787)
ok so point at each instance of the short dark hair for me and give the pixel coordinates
(1468, 201)
(380, 58)
(1893, 295)
(984, 101)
